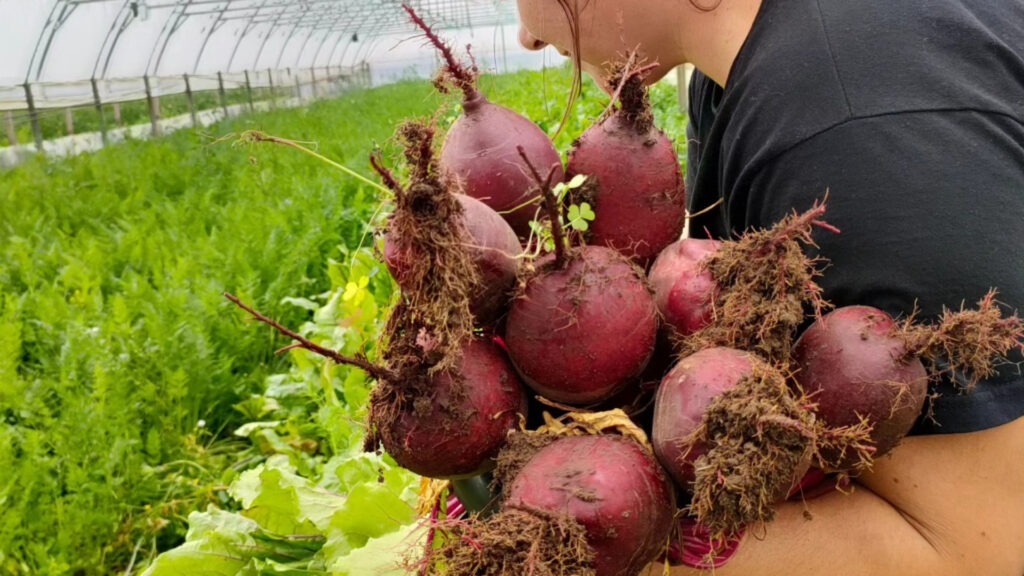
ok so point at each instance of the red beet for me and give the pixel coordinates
(635, 183)
(458, 428)
(683, 289)
(480, 148)
(440, 423)
(580, 333)
(494, 248)
(683, 397)
(853, 364)
(612, 487)
(730, 431)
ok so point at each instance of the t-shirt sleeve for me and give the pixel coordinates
(924, 224)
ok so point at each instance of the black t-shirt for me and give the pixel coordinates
(910, 113)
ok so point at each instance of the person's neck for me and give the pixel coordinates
(712, 40)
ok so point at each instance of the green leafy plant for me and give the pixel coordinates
(577, 217)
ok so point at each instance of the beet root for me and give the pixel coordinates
(684, 289)
(854, 366)
(581, 333)
(480, 149)
(684, 396)
(764, 286)
(635, 184)
(586, 505)
(450, 424)
(493, 249)
(731, 432)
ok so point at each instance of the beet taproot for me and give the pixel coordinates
(854, 366)
(683, 397)
(634, 184)
(731, 433)
(448, 423)
(453, 423)
(480, 149)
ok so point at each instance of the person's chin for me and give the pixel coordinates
(657, 74)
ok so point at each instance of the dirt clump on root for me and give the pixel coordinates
(414, 364)
(765, 286)
(520, 448)
(967, 341)
(628, 81)
(514, 542)
(760, 438)
(428, 228)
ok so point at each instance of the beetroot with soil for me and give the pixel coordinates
(728, 430)
(455, 423)
(584, 505)
(480, 149)
(635, 184)
(853, 365)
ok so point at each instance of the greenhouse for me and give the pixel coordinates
(511, 287)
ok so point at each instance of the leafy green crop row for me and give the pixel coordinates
(120, 363)
(123, 372)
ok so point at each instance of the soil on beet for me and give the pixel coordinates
(766, 285)
(415, 362)
(761, 437)
(519, 449)
(760, 440)
(633, 97)
(428, 228)
(515, 542)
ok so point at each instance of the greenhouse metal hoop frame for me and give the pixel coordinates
(339, 20)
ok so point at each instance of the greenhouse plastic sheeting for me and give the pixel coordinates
(58, 46)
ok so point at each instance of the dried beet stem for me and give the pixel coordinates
(453, 72)
(358, 361)
(562, 250)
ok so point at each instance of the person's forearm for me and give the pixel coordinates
(940, 505)
(837, 534)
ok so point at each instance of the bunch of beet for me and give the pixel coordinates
(753, 402)
(446, 394)
(756, 379)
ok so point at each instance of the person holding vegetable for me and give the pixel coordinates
(910, 115)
